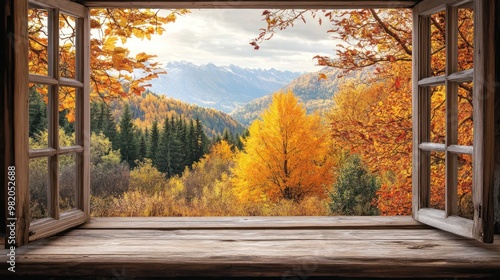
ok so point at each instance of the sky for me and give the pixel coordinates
(222, 37)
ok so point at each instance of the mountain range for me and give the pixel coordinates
(314, 92)
(220, 87)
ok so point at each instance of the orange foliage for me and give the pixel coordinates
(114, 72)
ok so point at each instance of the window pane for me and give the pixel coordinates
(465, 38)
(438, 46)
(67, 182)
(67, 113)
(38, 41)
(464, 191)
(438, 114)
(437, 180)
(38, 116)
(38, 188)
(67, 46)
(465, 114)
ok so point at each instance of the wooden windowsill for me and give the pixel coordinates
(258, 246)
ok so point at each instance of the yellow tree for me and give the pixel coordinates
(285, 156)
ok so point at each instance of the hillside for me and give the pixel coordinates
(316, 94)
(149, 106)
(220, 87)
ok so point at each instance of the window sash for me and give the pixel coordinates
(481, 227)
(57, 221)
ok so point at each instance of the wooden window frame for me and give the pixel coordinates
(481, 227)
(483, 157)
(56, 221)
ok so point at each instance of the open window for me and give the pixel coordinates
(62, 199)
(58, 116)
(452, 118)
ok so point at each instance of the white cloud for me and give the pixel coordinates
(223, 36)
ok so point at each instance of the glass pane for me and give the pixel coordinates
(464, 191)
(67, 182)
(438, 46)
(67, 113)
(38, 116)
(67, 46)
(437, 180)
(38, 41)
(38, 188)
(438, 114)
(465, 38)
(465, 114)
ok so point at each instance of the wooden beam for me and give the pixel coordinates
(21, 126)
(497, 123)
(484, 118)
(251, 4)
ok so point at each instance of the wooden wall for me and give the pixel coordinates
(497, 120)
(6, 102)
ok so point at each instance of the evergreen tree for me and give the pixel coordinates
(154, 141)
(128, 145)
(164, 154)
(108, 125)
(191, 143)
(143, 147)
(37, 113)
(354, 190)
(201, 140)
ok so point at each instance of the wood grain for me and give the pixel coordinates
(276, 252)
(248, 4)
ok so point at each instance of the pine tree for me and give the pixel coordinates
(164, 154)
(37, 113)
(143, 147)
(201, 140)
(127, 140)
(154, 141)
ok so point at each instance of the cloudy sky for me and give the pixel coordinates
(222, 37)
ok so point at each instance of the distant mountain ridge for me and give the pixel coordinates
(316, 95)
(220, 87)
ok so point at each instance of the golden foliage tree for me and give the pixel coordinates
(285, 156)
(374, 120)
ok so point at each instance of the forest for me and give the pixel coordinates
(353, 160)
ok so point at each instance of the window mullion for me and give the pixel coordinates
(451, 207)
(53, 112)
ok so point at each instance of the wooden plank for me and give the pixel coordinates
(251, 4)
(432, 147)
(232, 253)
(336, 222)
(80, 237)
(484, 119)
(21, 126)
(439, 219)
